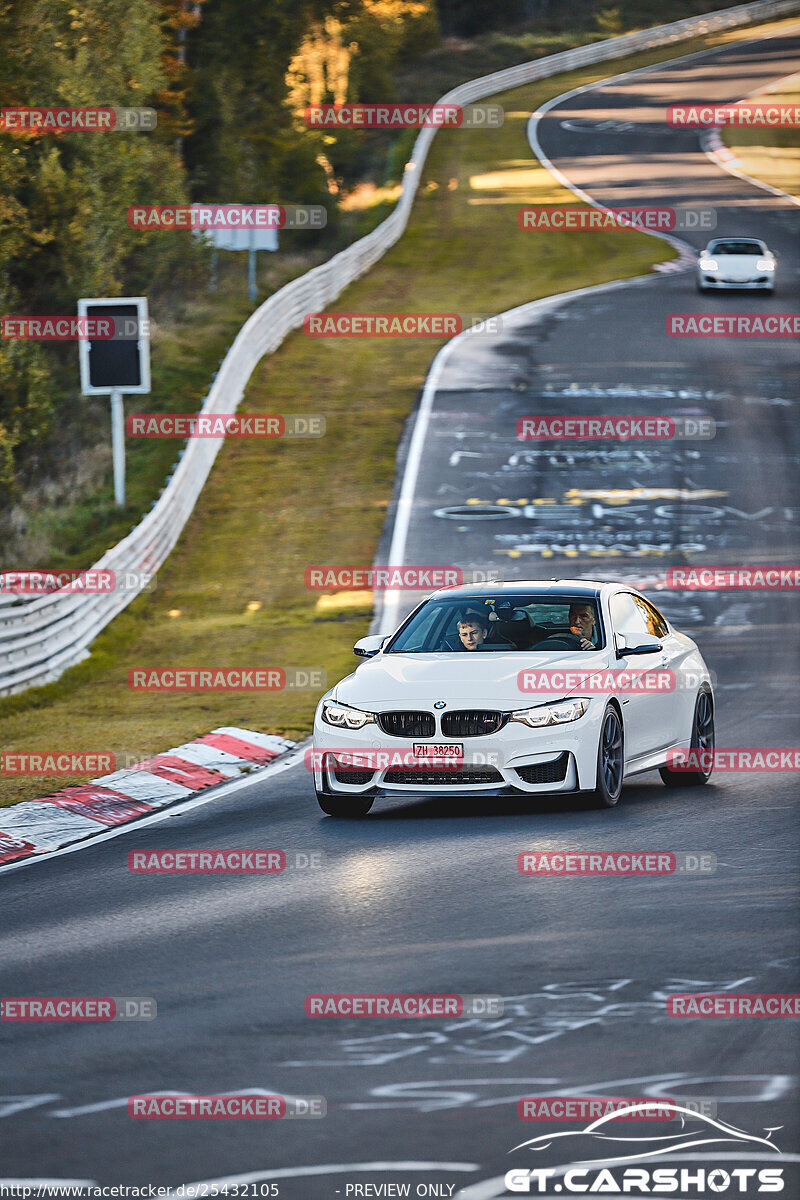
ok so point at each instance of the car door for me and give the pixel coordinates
(649, 716)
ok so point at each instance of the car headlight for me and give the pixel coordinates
(551, 714)
(346, 718)
(708, 264)
(765, 264)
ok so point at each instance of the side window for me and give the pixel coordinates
(629, 620)
(656, 624)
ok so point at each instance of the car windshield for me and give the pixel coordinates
(740, 246)
(526, 622)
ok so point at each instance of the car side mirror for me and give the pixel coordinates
(623, 649)
(367, 647)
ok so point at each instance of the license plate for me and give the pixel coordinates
(438, 751)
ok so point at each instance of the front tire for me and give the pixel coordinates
(702, 742)
(610, 760)
(344, 806)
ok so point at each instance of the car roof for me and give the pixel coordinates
(588, 588)
(750, 241)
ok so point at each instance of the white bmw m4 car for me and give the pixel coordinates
(531, 687)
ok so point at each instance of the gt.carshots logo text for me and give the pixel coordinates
(225, 679)
(616, 862)
(403, 116)
(401, 1004)
(682, 1182)
(733, 579)
(733, 324)
(179, 1106)
(413, 578)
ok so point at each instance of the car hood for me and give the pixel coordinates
(737, 262)
(476, 680)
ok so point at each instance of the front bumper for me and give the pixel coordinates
(515, 760)
(760, 283)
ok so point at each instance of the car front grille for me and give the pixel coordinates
(352, 775)
(445, 778)
(549, 772)
(408, 724)
(472, 722)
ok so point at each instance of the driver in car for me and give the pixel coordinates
(581, 623)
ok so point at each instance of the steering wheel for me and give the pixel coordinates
(558, 641)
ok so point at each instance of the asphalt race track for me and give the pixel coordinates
(426, 896)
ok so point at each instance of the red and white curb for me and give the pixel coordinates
(713, 145)
(75, 813)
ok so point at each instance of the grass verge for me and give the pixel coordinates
(771, 155)
(232, 593)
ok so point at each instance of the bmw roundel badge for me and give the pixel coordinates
(440, 704)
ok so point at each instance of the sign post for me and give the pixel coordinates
(116, 360)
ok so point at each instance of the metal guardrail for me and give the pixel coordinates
(42, 637)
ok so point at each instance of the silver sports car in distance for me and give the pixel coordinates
(556, 686)
(736, 264)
